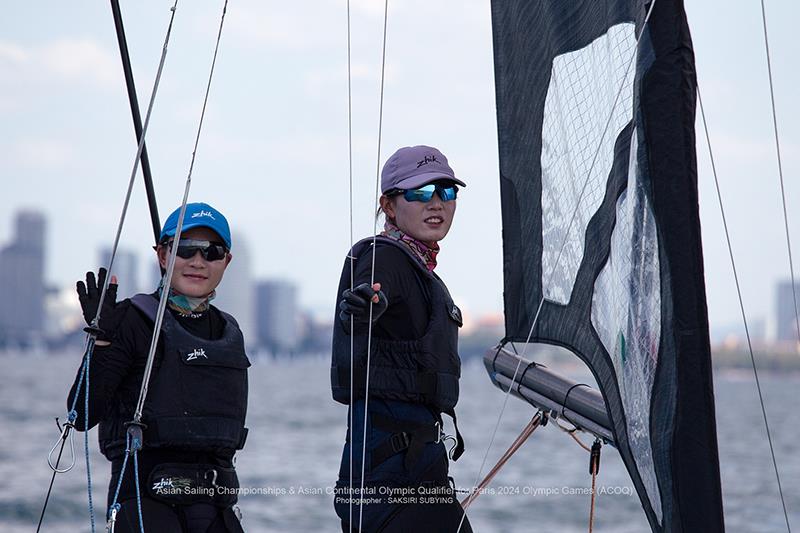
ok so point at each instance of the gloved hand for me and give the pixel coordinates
(356, 303)
(89, 297)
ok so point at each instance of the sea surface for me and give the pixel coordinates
(296, 434)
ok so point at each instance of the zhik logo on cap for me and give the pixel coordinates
(208, 214)
(427, 159)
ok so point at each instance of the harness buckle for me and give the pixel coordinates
(400, 441)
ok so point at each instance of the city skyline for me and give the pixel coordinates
(34, 311)
(268, 310)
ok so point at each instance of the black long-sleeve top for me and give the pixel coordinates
(408, 312)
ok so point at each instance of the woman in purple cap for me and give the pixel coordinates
(414, 365)
(194, 413)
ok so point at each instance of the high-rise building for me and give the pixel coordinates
(785, 316)
(22, 281)
(29, 229)
(277, 315)
(236, 293)
(125, 268)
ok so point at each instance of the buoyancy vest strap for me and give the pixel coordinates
(405, 436)
(146, 304)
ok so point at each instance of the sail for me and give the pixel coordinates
(601, 234)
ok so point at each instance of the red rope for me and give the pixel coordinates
(591, 508)
(526, 432)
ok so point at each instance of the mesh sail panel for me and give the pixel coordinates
(601, 230)
(588, 103)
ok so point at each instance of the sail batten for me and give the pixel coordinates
(595, 108)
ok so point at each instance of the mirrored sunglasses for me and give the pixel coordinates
(425, 193)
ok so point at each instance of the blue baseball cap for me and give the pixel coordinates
(198, 215)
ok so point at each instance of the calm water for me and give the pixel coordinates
(296, 433)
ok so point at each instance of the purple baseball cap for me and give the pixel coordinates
(414, 166)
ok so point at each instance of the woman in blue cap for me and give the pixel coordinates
(194, 413)
(414, 367)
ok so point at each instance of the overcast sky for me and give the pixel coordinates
(273, 155)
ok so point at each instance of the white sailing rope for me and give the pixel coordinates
(780, 167)
(372, 270)
(91, 338)
(741, 307)
(352, 259)
(558, 258)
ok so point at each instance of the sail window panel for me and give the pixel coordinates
(626, 313)
(589, 101)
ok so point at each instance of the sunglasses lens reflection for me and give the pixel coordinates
(425, 194)
(210, 251)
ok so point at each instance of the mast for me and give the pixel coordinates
(137, 119)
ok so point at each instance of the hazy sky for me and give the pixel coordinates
(273, 155)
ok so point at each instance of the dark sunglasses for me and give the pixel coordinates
(211, 251)
(425, 193)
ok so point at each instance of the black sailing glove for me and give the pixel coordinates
(356, 303)
(89, 296)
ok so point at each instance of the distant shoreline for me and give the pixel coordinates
(728, 362)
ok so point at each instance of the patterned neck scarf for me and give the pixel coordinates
(426, 254)
(186, 305)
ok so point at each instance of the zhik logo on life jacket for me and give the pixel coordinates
(203, 214)
(196, 354)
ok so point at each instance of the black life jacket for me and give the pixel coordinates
(197, 398)
(424, 371)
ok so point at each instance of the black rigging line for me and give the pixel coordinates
(744, 315)
(137, 119)
(64, 437)
(780, 166)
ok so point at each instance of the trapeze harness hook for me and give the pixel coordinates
(445, 438)
(66, 433)
(213, 473)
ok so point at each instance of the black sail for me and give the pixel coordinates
(601, 232)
